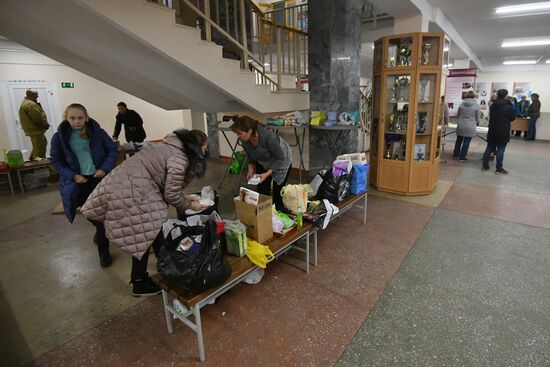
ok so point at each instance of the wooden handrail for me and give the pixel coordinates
(290, 29)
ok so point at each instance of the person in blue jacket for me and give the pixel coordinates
(83, 153)
(521, 111)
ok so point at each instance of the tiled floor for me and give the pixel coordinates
(466, 269)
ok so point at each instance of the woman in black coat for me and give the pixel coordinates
(502, 114)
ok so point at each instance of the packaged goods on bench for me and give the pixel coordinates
(295, 197)
(355, 158)
(235, 237)
(359, 179)
(254, 211)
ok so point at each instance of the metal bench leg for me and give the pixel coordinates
(197, 314)
(20, 181)
(315, 247)
(166, 312)
(365, 211)
(307, 253)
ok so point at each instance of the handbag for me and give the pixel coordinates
(191, 257)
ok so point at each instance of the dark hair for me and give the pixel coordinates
(535, 95)
(245, 123)
(192, 141)
(470, 94)
(121, 104)
(502, 93)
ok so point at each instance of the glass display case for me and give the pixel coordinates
(406, 130)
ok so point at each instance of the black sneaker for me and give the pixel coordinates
(105, 259)
(484, 168)
(144, 288)
(501, 172)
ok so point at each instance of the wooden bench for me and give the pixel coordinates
(29, 166)
(241, 267)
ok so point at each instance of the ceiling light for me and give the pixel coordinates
(548, 61)
(447, 66)
(524, 8)
(343, 58)
(445, 49)
(524, 42)
(266, 64)
(519, 62)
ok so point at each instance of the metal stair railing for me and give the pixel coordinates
(276, 54)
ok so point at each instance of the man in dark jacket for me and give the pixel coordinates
(133, 124)
(534, 113)
(501, 116)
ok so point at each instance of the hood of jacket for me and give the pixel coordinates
(469, 102)
(172, 139)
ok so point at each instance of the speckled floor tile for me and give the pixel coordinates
(458, 300)
(519, 207)
(284, 319)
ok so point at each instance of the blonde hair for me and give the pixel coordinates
(78, 106)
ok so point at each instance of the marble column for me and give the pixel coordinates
(213, 138)
(334, 45)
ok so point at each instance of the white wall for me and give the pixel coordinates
(99, 98)
(541, 85)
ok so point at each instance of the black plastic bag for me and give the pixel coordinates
(334, 189)
(194, 272)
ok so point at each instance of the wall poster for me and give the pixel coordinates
(500, 85)
(459, 83)
(483, 94)
(522, 89)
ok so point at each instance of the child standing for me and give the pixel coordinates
(83, 153)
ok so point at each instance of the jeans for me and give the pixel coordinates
(265, 187)
(461, 146)
(491, 147)
(532, 131)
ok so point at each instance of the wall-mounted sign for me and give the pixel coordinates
(459, 83)
(67, 85)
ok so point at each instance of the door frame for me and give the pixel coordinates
(9, 114)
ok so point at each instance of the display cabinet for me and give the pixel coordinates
(405, 127)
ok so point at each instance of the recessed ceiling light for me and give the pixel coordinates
(519, 62)
(445, 49)
(447, 66)
(524, 42)
(548, 61)
(524, 8)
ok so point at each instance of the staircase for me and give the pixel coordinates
(138, 47)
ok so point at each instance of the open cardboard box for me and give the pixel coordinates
(256, 218)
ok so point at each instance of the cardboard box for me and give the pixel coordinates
(257, 219)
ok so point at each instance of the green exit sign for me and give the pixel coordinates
(67, 85)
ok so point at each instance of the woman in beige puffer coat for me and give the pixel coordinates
(132, 201)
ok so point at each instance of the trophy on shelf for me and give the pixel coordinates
(404, 118)
(402, 151)
(405, 52)
(388, 151)
(423, 87)
(426, 54)
(421, 122)
(391, 62)
(393, 90)
(403, 88)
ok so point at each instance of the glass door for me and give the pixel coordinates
(425, 116)
(396, 108)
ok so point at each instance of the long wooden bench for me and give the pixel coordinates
(241, 267)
